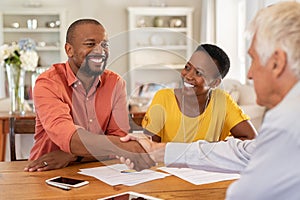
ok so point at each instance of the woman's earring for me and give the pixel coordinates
(212, 84)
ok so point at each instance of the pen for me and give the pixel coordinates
(128, 171)
(63, 187)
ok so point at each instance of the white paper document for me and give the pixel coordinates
(199, 177)
(119, 174)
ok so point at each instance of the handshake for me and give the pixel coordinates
(156, 151)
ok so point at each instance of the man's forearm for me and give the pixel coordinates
(91, 146)
(86, 144)
(230, 156)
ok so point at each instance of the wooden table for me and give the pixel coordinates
(17, 184)
(4, 129)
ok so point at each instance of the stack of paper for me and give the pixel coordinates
(199, 177)
(119, 174)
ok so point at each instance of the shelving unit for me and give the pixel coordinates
(160, 42)
(49, 40)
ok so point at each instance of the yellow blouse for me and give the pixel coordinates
(165, 119)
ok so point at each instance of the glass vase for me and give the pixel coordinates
(16, 85)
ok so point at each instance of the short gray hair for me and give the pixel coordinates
(278, 26)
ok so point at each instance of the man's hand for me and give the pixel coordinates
(146, 143)
(53, 160)
(133, 151)
(155, 150)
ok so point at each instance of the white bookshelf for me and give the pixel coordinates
(158, 48)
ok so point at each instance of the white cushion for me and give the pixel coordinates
(256, 114)
(232, 87)
(247, 95)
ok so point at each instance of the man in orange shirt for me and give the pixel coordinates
(81, 108)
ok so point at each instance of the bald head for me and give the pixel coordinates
(74, 25)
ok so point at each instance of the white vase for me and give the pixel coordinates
(16, 84)
(158, 22)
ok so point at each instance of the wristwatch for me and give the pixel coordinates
(78, 159)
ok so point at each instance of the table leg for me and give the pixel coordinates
(2, 140)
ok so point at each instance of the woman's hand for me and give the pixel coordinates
(53, 160)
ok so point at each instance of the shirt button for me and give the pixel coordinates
(90, 120)
(75, 85)
(87, 98)
(79, 83)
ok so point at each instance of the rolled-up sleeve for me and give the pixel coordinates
(53, 110)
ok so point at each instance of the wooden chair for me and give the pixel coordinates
(19, 126)
(135, 121)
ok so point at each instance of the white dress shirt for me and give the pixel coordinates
(269, 165)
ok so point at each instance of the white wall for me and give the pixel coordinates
(252, 8)
(230, 21)
(226, 34)
(113, 15)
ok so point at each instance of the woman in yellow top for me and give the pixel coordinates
(198, 110)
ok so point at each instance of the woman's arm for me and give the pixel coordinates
(244, 130)
(154, 137)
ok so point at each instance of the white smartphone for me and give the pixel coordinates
(69, 182)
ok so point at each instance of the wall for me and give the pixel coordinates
(252, 7)
(226, 34)
(232, 18)
(113, 14)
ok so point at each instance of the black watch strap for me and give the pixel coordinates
(78, 159)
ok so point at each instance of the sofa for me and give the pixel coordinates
(245, 97)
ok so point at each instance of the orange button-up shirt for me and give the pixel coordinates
(62, 105)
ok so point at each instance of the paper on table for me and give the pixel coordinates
(199, 177)
(112, 175)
